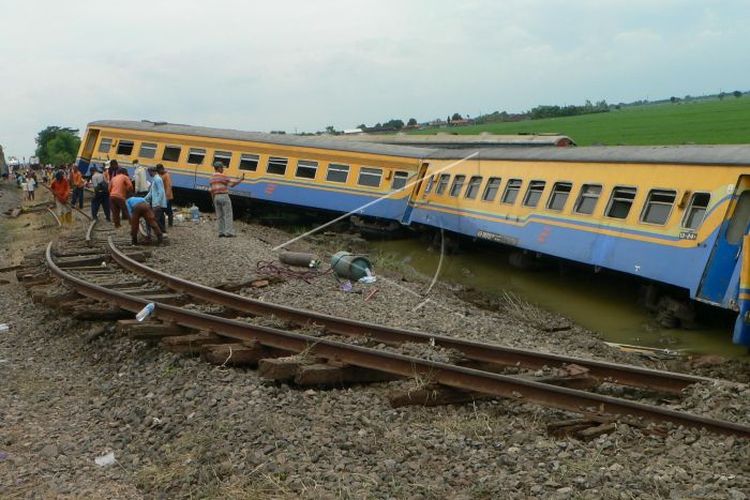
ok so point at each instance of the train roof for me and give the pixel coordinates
(263, 137)
(452, 140)
(686, 154)
(738, 154)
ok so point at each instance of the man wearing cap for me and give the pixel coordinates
(219, 187)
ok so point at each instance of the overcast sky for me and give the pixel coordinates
(303, 65)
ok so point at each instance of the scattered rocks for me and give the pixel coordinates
(182, 428)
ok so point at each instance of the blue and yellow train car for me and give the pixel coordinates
(674, 215)
(305, 171)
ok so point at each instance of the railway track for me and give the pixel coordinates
(479, 370)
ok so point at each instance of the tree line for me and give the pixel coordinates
(57, 145)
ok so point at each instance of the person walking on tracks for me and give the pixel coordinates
(157, 196)
(101, 193)
(219, 187)
(139, 208)
(119, 187)
(76, 184)
(167, 189)
(61, 191)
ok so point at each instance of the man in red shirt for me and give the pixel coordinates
(219, 187)
(119, 187)
(61, 190)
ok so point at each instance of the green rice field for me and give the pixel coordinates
(696, 122)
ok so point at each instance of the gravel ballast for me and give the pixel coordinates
(179, 427)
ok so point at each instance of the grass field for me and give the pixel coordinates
(697, 122)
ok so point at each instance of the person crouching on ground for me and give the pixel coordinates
(61, 190)
(119, 187)
(139, 208)
(219, 187)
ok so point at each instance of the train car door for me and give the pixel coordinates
(728, 246)
(406, 219)
(87, 150)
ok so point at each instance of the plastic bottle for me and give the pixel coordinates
(195, 213)
(145, 312)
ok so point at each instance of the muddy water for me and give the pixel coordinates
(604, 303)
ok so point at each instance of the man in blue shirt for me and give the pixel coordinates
(157, 196)
(139, 208)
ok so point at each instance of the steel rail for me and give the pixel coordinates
(90, 232)
(633, 376)
(57, 219)
(458, 377)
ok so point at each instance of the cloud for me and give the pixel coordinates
(294, 64)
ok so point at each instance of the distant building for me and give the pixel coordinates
(350, 131)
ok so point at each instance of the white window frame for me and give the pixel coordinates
(365, 172)
(338, 168)
(249, 157)
(307, 165)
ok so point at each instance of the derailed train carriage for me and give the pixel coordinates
(676, 215)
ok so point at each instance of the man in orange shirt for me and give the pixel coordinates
(167, 179)
(119, 188)
(76, 183)
(61, 190)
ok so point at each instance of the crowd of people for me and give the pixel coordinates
(147, 196)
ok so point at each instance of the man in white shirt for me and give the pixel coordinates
(140, 179)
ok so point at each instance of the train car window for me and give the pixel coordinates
(738, 224)
(399, 180)
(458, 185)
(369, 176)
(196, 156)
(559, 195)
(171, 153)
(586, 202)
(442, 183)
(249, 162)
(534, 193)
(277, 165)
(337, 172)
(125, 148)
(429, 185)
(225, 157)
(620, 203)
(490, 191)
(658, 206)
(148, 150)
(105, 145)
(306, 169)
(512, 188)
(696, 210)
(473, 190)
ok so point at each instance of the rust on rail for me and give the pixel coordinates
(449, 375)
(633, 376)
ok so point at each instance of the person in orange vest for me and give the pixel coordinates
(76, 183)
(61, 190)
(119, 188)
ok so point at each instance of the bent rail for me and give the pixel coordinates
(458, 377)
(633, 376)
